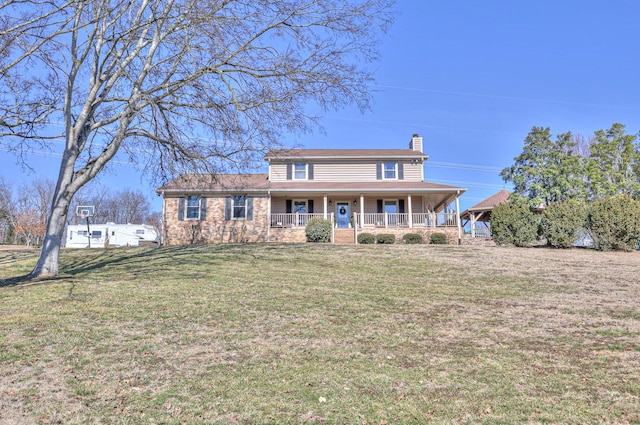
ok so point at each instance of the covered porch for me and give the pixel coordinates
(364, 211)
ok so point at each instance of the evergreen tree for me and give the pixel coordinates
(547, 171)
(614, 164)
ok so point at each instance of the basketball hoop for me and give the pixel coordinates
(86, 212)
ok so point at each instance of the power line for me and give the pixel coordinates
(495, 96)
(462, 183)
(462, 166)
(420, 125)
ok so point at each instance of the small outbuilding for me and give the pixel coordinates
(481, 212)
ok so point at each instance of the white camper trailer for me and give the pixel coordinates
(110, 235)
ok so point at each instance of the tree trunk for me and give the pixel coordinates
(47, 265)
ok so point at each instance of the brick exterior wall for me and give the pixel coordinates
(215, 229)
(288, 234)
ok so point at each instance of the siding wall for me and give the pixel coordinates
(343, 171)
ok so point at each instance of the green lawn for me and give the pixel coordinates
(276, 334)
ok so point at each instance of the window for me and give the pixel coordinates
(82, 233)
(97, 234)
(193, 207)
(140, 232)
(239, 207)
(300, 171)
(390, 171)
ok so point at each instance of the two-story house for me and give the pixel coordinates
(359, 190)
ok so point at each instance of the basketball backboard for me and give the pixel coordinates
(85, 211)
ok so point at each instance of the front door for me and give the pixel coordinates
(342, 215)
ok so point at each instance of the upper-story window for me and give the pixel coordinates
(193, 208)
(390, 171)
(300, 171)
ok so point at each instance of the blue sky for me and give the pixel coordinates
(472, 77)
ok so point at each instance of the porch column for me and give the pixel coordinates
(458, 218)
(325, 206)
(410, 211)
(473, 225)
(268, 216)
(361, 210)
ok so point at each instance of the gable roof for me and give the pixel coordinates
(493, 200)
(187, 183)
(298, 154)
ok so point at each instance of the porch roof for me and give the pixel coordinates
(209, 183)
(396, 186)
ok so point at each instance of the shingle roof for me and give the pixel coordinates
(493, 200)
(344, 153)
(396, 185)
(192, 183)
(216, 183)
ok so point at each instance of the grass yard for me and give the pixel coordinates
(289, 334)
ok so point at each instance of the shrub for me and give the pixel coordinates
(614, 223)
(412, 238)
(318, 230)
(386, 238)
(438, 239)
(366, 238)
(514, 223)
(563, 222)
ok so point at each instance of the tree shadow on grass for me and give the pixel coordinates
(119, 263)
(28, 280)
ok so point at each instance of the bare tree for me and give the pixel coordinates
(155, 219)
(30, 212)
(582, 145)
(180, 84)
(125, 206)
(6, 211)
(133, 207)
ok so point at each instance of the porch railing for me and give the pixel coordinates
(292, 219)
(448, 219)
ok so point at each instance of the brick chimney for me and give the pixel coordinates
(416, 143)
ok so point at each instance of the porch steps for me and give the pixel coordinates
(344, 236)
